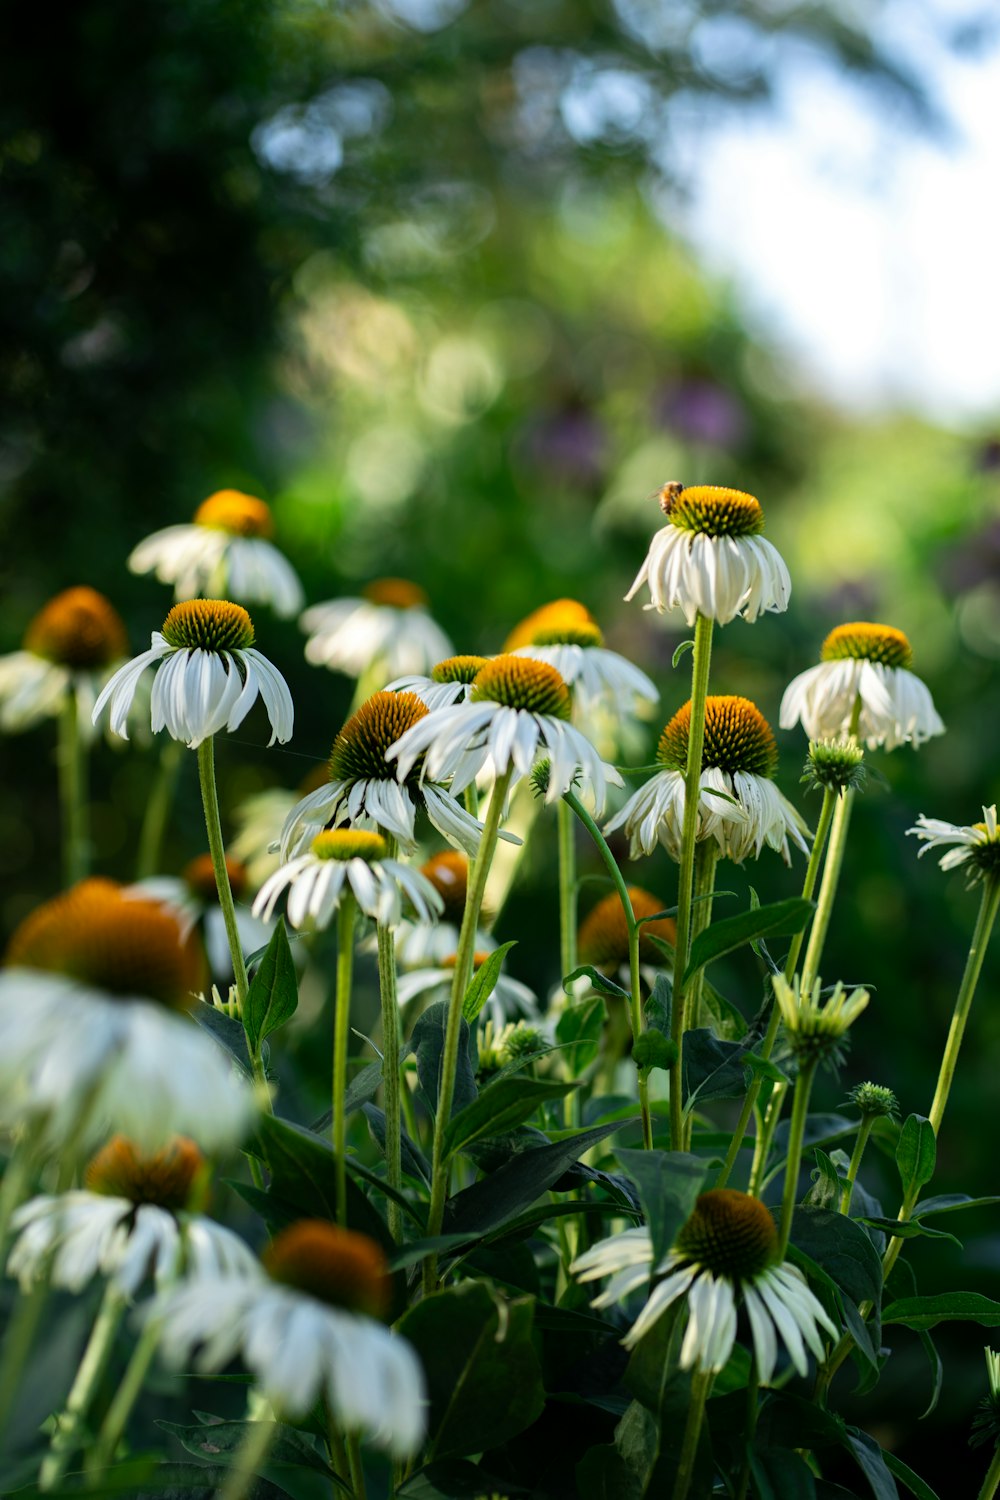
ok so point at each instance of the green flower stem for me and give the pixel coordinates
(341, 1038)
(567, 888)
(12, 1189)
(102, 1453)
(701, 1382)
(71, 1425)
(213, 825)
(992, 1480)
(250, 1457)
(767, 1046)
(796, 1135)
(636, 1016)
(154, 820)
(72, 760)
(685, 885)
(861, 1141)
(390, 1062)
(357, 1466)
(753, 1411)
(463, 973)
(705, 864)
(827, 889)
(18, 1339)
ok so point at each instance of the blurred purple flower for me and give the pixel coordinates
(569, 444)
(702, 412)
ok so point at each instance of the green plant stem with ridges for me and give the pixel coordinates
(250, 1456)
(860, 1142)
(753, 1411)
(356, 1466)
(796, 1135)
(341, 1039)
(72, 1423)
(464, 960)
(566, 829)
(992, 1480)
(390, 1062)
(701, 1382)
(685, 886)
(705, 864)
(102, 1453)
(72, 758)
(636, 1015)
(154, 820)
(774, 1021)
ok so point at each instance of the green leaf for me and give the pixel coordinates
(518, 1184)
(136, 1481)
(484, 1381)
(227, 1030)
(501, 1106)
(827, 1183)
(937, 1371)
(578, 1033)
(842, 1248)
(781, 1474)
(781, 918)
(274, 990)
(916, 1153)
(455, 1479)
(221, 1440)
(668, 1183)
(947, 1307)
(484, 981)
(602, 1474)
(651, 1049)
(907, 1229)
(600, 982)
(949, 1203)
(913, 1482)
(679, 651)
(870, 1460)
(712, 1069)
(427, 1043)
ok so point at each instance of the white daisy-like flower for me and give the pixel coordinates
(132, 1220)
(870, 663)
(814, 1025)
(509, 998)
(517, 715)
(724, 1257)
(973, 847)
(386, 633)
(194, 895)
(710, 558)
(308, 1332)
(363, 789)
(450, 681)
(566, 635)
(68, 648)
(209, 676)
(341, 860)
(225, 550)
(739, 805)
(92, 1032)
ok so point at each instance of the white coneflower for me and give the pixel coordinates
(309, 1333)
(68, 648)
(724, 1257)
(92, 1031)
(450, 681)
(509, 998)
(565, 634)
(209, 676)
(517, 714)
(738, 760)
(363, 789)
(975, 847)
(132, 1219)
(388, 631)
(347, 859)
(194, 895)
(710, 558)
(226, 549)
(870, 663)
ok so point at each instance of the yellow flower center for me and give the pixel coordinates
(209, 625)
(99, 934)
(448, 873)
(737, 738)
(349, 843)
(395, 593)
(730, 1234)
(239, 514)
(336, 1266)
(713, 510)
(861, 641)
(199, 876)
(458, 668)
(603, 934)
(78, 628)
(166, 1178)
(358, 752)
(521, 682)
(564, 622)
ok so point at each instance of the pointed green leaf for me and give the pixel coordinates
(781, 918)
(274, 990)
(501, 1106)
(916, 1153)
(484, 981)
(947, 1307)
(600, 982)
(668, 1184)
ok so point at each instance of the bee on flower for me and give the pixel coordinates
(386, 633)
(227, 549)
